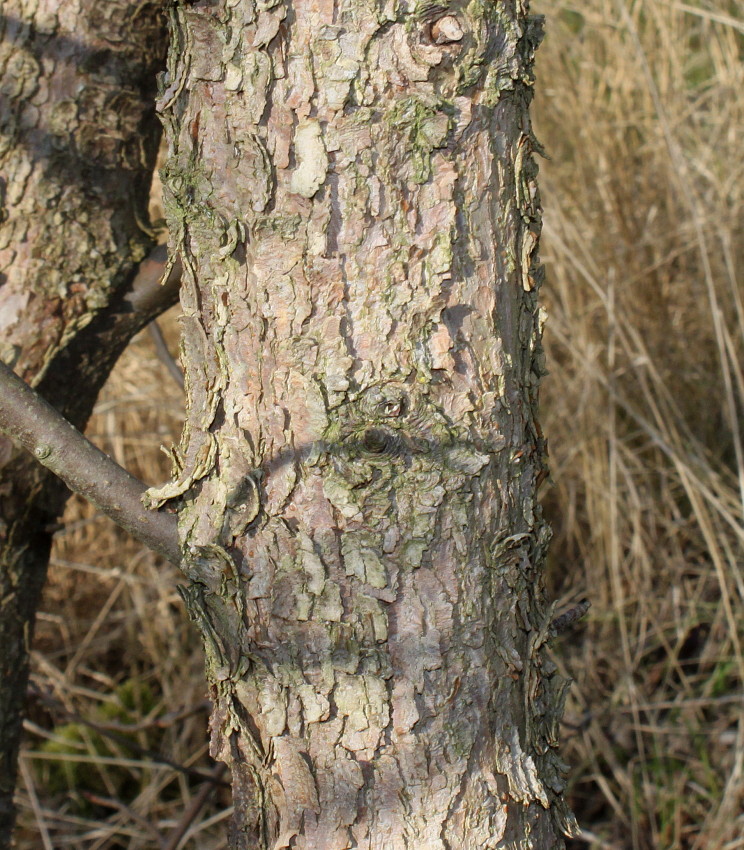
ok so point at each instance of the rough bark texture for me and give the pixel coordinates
(77, 146)
(351, 190)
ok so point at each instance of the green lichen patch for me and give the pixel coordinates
(423, 127)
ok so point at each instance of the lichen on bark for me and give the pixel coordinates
(353, 199)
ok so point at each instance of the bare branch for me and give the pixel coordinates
(147, 295)
(568, 618)
(89, 357)
(40, 429)
(166, 358)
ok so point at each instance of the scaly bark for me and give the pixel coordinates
(351, 189)
(77, 147)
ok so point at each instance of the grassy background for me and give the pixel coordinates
(639, 107)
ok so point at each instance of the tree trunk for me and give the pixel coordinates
(78, 144)
(351, 190)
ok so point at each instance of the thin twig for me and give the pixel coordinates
(27, 418)
(34, 800)
(164, 355)
(123, 809)
(124, 741)
(195, 806)
(162, 721)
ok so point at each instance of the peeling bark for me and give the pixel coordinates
(77, 148)
(351, 190)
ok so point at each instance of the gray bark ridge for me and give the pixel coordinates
(77, 150)
(351, 191)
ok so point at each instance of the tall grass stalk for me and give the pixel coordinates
(638, 105)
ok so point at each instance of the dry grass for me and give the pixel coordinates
(639, 106)
(117, 679)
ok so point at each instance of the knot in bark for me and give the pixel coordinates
(446, 30)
